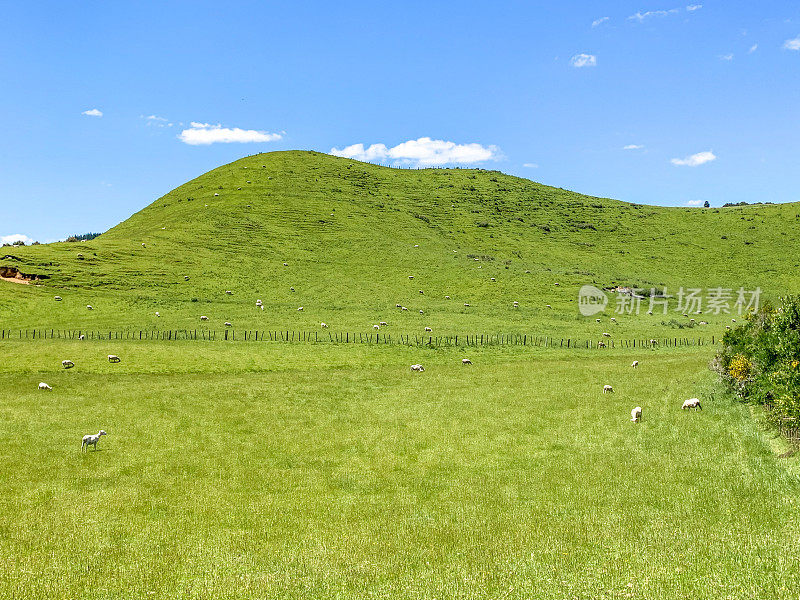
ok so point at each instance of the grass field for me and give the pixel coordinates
(325, 471)
(351, 233)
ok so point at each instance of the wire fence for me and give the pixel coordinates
(376, 338)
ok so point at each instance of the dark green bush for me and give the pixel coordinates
(760, 360)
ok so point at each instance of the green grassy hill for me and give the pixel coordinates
(351, 233)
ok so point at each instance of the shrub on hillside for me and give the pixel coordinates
(760, 360)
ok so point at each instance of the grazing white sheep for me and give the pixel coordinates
(417, 368)
(158, 314)
(300, 308)
(57, 298)
(548, 306)
(113, 358)
(203, 318)
(411, 277)
(403, 308)
(465, 304)
(228, 324)
(733, 320)
(606, 334)
(653, 342)
(607, 389)
(398, 306)
(285, 264)
(636, 414)
(143, 246)
(493, 279)
(186, 278)
(229, 292)
(91, 440)
(44, 386)
(67, 364)
(635, 364)
(428, 329)
(383, 323)
(89, 307)
(466, 361)
(421, 292)
(692, 403)
(416, 245)
(81, 337)
(376, 327)
(703, 322)
(291, 289)
(556, 284)
(216, 194)
(447, 297)
(601, 344)
(259, 303)
(598, 320)
(421, 312)
(649, 312)
(613, 320)
(727, 326)
(323, 325)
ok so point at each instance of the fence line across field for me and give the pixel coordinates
(475, 339)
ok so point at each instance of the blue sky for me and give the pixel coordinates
(705, 95)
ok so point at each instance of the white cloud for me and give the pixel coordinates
(633, 147)
(155, 121)
(203, 134)
(726, 56)
(530, 165)
(640, 16)
(694, 160)
(583, 60)
(694, 7)
(93, 112)
(694, 203)
(15, 237)
(423, 152)
(753, 48)
(793, 44)
(599, 21)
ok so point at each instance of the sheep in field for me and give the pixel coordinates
(606, 334)
(613, 320)
(421, 292)
(465, 304)
(493, 279)
(607, 389)
(89, 307)
(285, 264)
(428, 329)
(411, 277)
(601, 344)
(383, 324)
(635, 364)
(636, 414)
(323, 325)
(466, 361)
(67, 364)
(158, 314)
(398, 306)
(417, 368)
(91, 440)
(44, 386)
(447, 297)
(259, 303)
(403, 308)
(300, 308)
(186, 278)
(113, 358)
(653, 342)
(57, 298)
(692, 403)
(420, 312)
(81, 337)
(228, 324)
(597, 320)
(203, 318)
(548, 306)
(376, 327)
(228, 292)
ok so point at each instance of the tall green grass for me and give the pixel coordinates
(321, 471)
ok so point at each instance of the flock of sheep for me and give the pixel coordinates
(636, 413)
